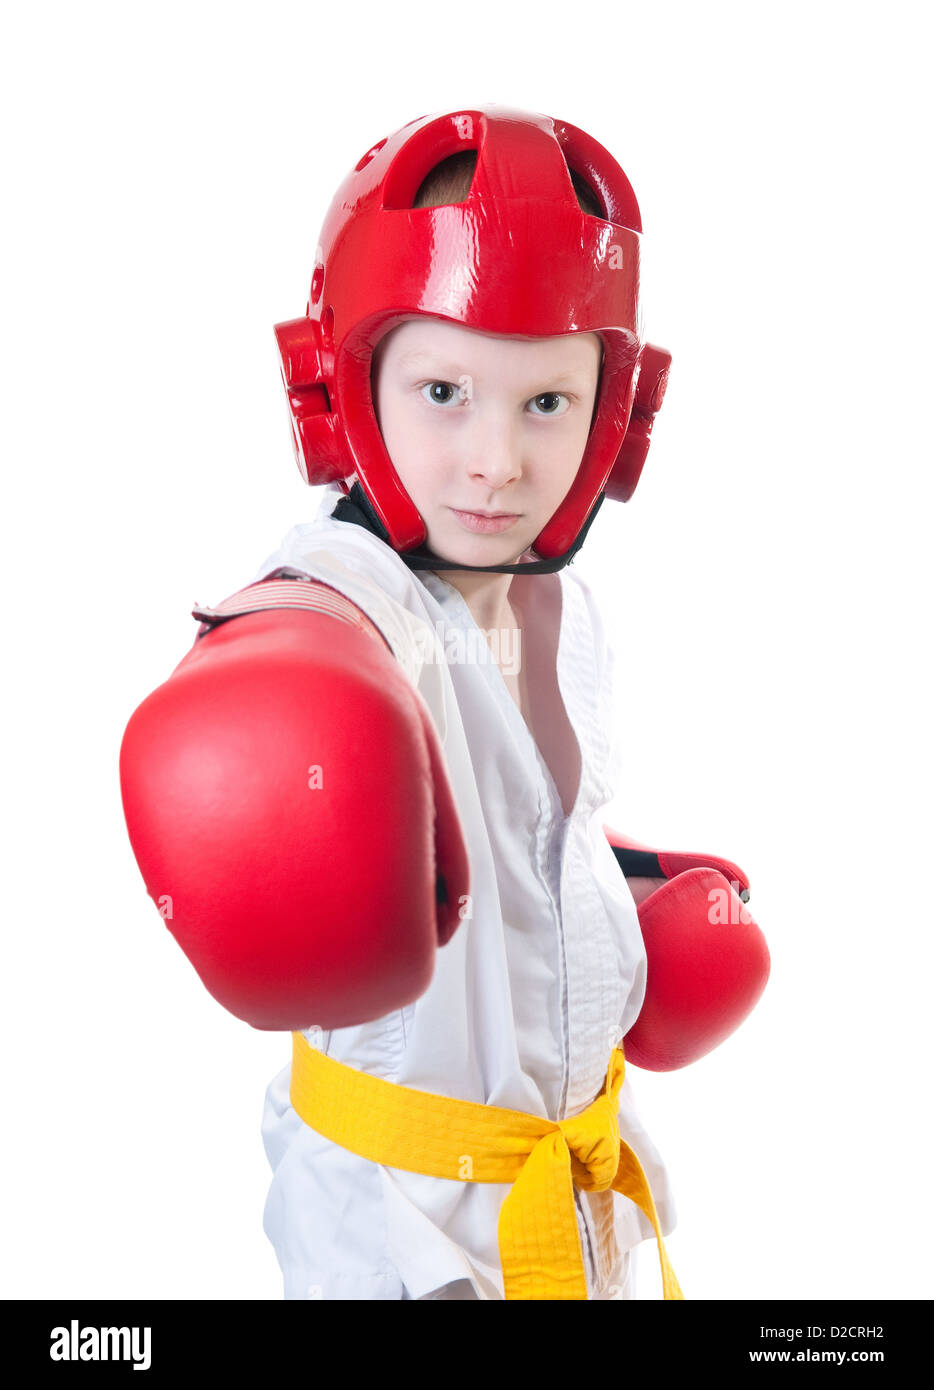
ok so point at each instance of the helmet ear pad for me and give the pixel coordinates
(322, 432)
(651, 381)
(320, 446)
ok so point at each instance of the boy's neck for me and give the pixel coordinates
(486, 595)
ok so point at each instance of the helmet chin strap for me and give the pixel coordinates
(357, 508)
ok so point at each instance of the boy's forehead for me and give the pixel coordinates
(426, 337)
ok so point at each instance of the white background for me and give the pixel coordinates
(165, 173)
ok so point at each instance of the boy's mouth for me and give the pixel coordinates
(486, 522)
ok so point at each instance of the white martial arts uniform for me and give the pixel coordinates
(531, 993)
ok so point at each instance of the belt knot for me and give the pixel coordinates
(593, 1139)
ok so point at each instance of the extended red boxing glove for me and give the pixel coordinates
(707, 962)
(289, 807)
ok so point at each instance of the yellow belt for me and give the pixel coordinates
(400, 1127)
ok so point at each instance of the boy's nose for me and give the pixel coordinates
(495, 459)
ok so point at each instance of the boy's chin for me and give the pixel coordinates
(460, 550)
(467, 560)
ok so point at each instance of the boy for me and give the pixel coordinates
(466, 379)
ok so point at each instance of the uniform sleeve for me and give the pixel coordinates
(412, 640)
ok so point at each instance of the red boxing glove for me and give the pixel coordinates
(289, 807)
(707, 960)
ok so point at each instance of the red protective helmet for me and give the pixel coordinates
(516, 257)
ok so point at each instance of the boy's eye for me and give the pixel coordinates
(549, 403)
(441, 392)
(449, 393)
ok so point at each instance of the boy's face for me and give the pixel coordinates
(476, 423)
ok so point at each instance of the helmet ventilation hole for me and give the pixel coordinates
(448, 182)
(371, 153)
(589, 200)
